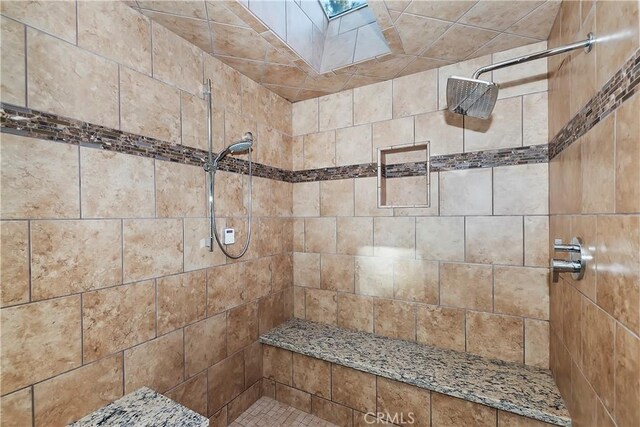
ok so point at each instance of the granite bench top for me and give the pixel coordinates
(511, 387)
(143, 408)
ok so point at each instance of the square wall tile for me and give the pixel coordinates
(312, 375)
(441, 327)
(13, 70)
(293, 397)
(355, 312)
(176, 61)
(353, 145)
(354, 236)
(117, 318)
(449, 411)
(494, 240)
(225, 381)
(392, 132)
(306, 199)
(130, 191)
(336, 110)
(366, 198)
(627, 389)
(196, 253)
(522, 291)
(444, 131)
(305, 117)
(321, 306)
(627, 152)
(536, 343)
(337, 197)
(535, 110)
(225, 287)
(277, 364)
(536, 241)
(415, 94)
(63, 261)
(41, 340)
(242, 326)
(337, 272)
(152, 248)
(394, 237)
(330, 411)
(180, 190)
(58, 19)
(394, 397)
(14, 261)
(440, 238)
(352, 388)
(192, 394)
(598, 168)
(395, 319)
(416, 280)
(44, 177)
(306, 269)
(521, 190)
(63, 88)
(320, 150)
(70, 396)
(181, 300)
(372, 103)
(205, 344)
(466, 192)
(495, 336)
(374, 276)
(467, 286)
(503, 130)
(16, 408)
(320, 235)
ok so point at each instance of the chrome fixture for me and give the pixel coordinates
(577, 262)
(476, 98)
(211, 166)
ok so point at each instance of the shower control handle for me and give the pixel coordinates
(577, 262)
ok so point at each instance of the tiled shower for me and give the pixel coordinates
(417, 292)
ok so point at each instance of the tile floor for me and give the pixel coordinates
(267, 412)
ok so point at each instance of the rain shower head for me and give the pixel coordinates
(471, 97)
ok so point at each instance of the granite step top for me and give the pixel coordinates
(143, 408)
(512, 387)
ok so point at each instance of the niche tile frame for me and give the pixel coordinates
(398, 171)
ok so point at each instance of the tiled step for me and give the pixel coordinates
(267, 412)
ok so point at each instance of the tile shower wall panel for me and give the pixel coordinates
(103, 267)
(594, 194)
(467, 265)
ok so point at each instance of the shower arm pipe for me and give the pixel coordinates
(587, 44)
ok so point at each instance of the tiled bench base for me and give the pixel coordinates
(304, 366)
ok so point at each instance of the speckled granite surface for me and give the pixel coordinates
(143, 408)
(520, 389)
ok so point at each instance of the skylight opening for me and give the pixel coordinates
(336, 8)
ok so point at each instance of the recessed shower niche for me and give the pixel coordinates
(403, 176)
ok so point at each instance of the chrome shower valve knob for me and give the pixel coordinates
(577, 262)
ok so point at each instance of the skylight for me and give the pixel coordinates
(335, 8)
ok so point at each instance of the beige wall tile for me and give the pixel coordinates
(149, 107)
(522, 189)
(495, 336)
(62, 89)
(372, 103)
(353, 145)
(192, 394)
(225, 82)
(536, 343)
(320, 150)
(395, 319)
(196, 254)
(16, 409)
(58, 19)
(242, 326)
(522, 291)
(312, 375)
(415, 94)
(305, 117)
(336, 110)
(598, 168)
(277, 364)
(627, 154)
(355, 236)
(320, 235)
(535, 109)
(40, 340)
(117, 318)
(355, 312)
(118, 32)
(299, 302)
(495, 240)
(306, 269)
(297, 153)
(521, 79)
(332, 412)
(194, 123)
(62, 258)
(71, 396)
(152, 248)
(394, 237)
(466, 192)
(321, 306)
(440, 238)
(627, 387)
(253, 364)
(441, 327)
(225, 381)
(294, 398)
(180, 190)
(374, 276)
(444, 131)
(536, 241)
(502, 131)
(176, 61)
(229, 194)
(448, 411)
(130, 192)
(14, 258)
(337, 272)
(13, 62)
(181, 300)
(157, 364)
(205, 344)
(366, 198)
(353, 388)
(257, 278)
(225, 287)
(306, 199)
(337, 198)
(509, 419)
(416, 280)
(392, 132)
(395, 398)
(467, 286)
(45, 178)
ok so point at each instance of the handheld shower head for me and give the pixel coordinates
(237, 147)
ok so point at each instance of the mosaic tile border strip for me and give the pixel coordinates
(35, 124)
(622, 86)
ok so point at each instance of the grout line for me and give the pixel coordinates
(26, 68)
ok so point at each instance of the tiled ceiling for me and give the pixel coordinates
(422, 34)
